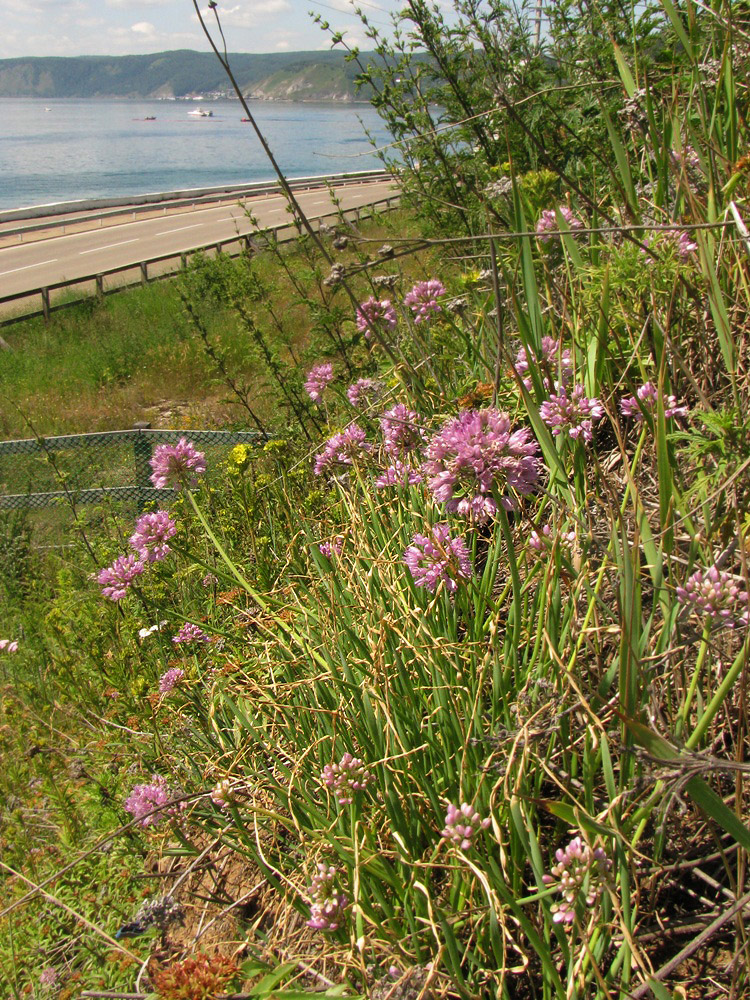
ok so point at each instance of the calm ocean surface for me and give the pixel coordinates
(100, 148)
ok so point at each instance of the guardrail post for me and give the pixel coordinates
(141, 459)
(144, 272)
(100, 286)
(45, 304)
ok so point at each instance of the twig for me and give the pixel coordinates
(694, 945)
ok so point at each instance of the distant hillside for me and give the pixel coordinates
(295, 76)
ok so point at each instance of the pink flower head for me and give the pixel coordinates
(545, 539)
(716, 593)
(547, 227)
(375, 313)
(462, 823)
(8, 645)
(685, 245)
(334, 547)
(327, 903)
(400, 431)
(578, 876)
(177, 465)
(48, 977)
(437, 558)
(116, 579)
(169, 679)
(398, 474)
(146, 798)
(475, 457)
(190, 633)
(423, 299)
(222, 795)
(152, 531)
(572, 414)
(647, 395)
(346, 778)
(317, 379)
(363, 392)
(555, 364)
(342, 449)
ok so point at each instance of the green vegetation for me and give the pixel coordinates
(457, 702)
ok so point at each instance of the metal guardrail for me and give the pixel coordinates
(174, 199)
(282, 233)
(75, 469)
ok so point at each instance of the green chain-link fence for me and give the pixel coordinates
(89, 468)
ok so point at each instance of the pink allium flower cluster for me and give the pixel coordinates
(190, 633)
(8, 645)
(169, 679)
(685, 245)
(437, 558)
(374, 313)
(578, 875)
(209, 580)
(716, 593)
(223, 794)
(363, 392)
(177, 465)
(689, 157)
(554, 361)
(475, 457)
(342, 449)
(423, 299)
(327, 904)
(545, 540)
(401, 433)
(155, 795)
(117, 579)
(572, 414)
(317, 379)
(152, 531)
(48, 977)
(462, 823)
(648, 395)
(398, 474)
(346, 778)
(334, 547)
(548, 224)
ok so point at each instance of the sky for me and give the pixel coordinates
(132, 27)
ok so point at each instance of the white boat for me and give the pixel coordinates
(200, 113)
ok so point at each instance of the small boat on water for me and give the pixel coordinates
(200, 113)
(150, 118)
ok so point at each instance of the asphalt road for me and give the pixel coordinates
(28, 266)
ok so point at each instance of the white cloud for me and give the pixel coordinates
(245, 15)
(129, 4)
(281, 46)
(144, 28)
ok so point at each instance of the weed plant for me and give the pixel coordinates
(453, 666)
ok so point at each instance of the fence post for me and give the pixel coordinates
(100, 286)
(45, 304)
(144, 272)
(142, 459)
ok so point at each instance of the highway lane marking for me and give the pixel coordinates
(27, 266)
(181, 229)
(109, 247)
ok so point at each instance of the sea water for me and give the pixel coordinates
(65, 150)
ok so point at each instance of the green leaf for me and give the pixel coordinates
(698, 790)
(625, 75)
(660, 991)
(679, 28)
